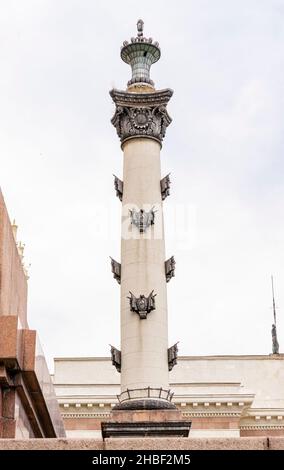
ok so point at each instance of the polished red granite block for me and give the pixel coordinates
(13, 283)
(28, 405)
(11, 344)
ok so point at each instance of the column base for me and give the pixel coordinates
(145, 404)
(145, 423)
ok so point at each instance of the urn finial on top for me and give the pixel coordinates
(140, 27)
(140, 54)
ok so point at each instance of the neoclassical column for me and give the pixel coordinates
(141, 120)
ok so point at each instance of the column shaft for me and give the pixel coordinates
(144, 343)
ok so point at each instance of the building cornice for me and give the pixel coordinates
(266, 411)
(260, 428)
(256, 357)
(156, 98)
(268, 357)
(84, 415)
(83, 358)
(211, 414)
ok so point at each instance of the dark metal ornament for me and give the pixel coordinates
(118, 185)
(275, 344)
(115, 358)
(116, 270)
(142, 305)
(170, 266)
(142, 219)
(165, 186)
(172, 356)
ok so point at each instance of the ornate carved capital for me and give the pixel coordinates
(141, 114)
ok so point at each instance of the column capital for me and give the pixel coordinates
(141, 114)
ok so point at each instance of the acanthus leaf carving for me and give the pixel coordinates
(141, 115)
(141, 122)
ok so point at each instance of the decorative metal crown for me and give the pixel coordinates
(141, 53)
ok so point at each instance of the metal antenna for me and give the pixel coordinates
(273, 300)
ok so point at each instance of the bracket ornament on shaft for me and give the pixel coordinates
(142, 305)
(116, 270)
(142, 219)
(118, 186)
(115, 358)
(172, 356)
(165, 187)
(170, 266)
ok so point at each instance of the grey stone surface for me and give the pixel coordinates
(51, 444)
(187, 444)
(276, 443)
(242, 443)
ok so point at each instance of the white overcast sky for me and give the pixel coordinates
(224, 59)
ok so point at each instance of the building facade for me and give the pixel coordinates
(223, 396)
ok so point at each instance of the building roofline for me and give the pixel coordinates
(182, 358)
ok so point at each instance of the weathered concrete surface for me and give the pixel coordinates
(52, 444)
(276, 443)
(242, 443)
(187, 444)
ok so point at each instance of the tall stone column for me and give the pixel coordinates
(141, 119)
(144, 342)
